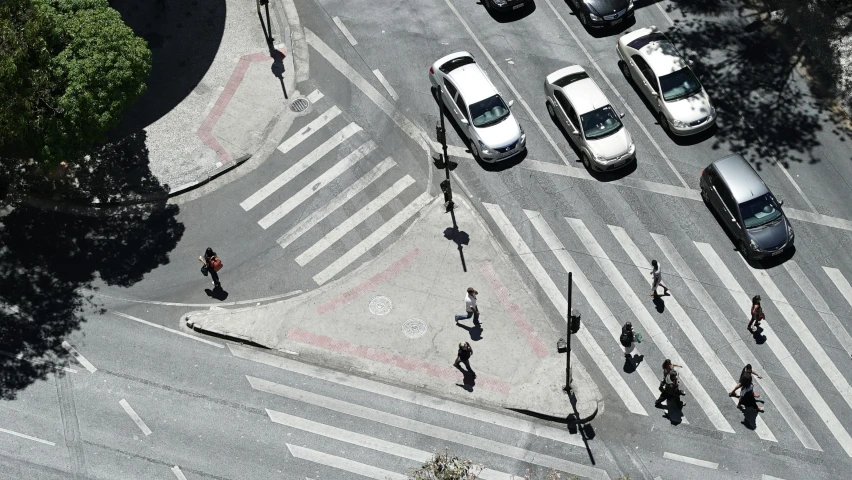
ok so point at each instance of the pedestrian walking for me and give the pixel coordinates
(657, 277)
(463, 356)
(746, 370)
(470, 306)
(756, 314)
(211, 265)
(628, 338)
(670, 385)
(747, 397)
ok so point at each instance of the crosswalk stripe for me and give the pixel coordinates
(561, 304)
(687, 326)
(820, 305)
(785, 358)
(513, 423)
(303, 133)
(728, 331)
(373, 239)
(354, 220)
(366, 441)
(306, 192)
(300, 166)
(649, 324)
(840, 282)
(341, 198)
(315, 96)
(429, 430)
(344, 464)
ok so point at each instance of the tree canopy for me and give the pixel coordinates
(68, 68)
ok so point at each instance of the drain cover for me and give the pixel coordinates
(299, 105)
(380, 305)
(414, 328)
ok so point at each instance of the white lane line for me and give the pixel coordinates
(303, 133)
(452, 150)
(819, 219)
(820, 305)
(178, 474)
(202, 305)
(509, 84)
(80, 358)
(612, 88)
(386, 84)
(345, 31)
(366, 441)
(315, 185)
(690, 460)
(421, 428)
(708, 354)
(373, 239)
(367, 89)
(397, 393)
(135, 417)
(341, 198)
(730, 333)
(315, 96)
(303, 164)
(785, 358)
(354, 220)
(769, 477)
(170, 330)
(840, 282)
(561, 304)
(344, 464)
(649, 324)
(28, 437)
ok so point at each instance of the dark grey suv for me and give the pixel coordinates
(746, 207)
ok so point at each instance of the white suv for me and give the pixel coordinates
(649, 59)
(477, 107)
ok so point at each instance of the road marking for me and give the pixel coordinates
(303, 133)
(354, 220)
(733, 339)
(178, 332)
(373, 239)
(386, 84)
(303, 164)
(785, 358)
(640, 123)
(513, 423)
(429, 430)
(136, 418)
(341, 198)
(202, 305)
(36, 361)
(820, 305)
(769, 477)
(510, 85)
(315, 96)
(690, 460)
(366, 441)
(315, 185)
(344, 464)
(80, 358)
(561, 304)
(178, 473)
(840, 282)
(452, 150)
(708, 354)
(345, 31)
(28, 437)
(651, 328)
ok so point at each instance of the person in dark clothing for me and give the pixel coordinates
(465, 351)
(670, 386)
(627, 339)
(756, 313)
(207, 260)
(749, 370)
(747, 396)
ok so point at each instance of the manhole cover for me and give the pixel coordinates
(414, 328)
(299, 105)
(380, 305)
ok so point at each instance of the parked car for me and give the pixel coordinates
(477, 107)
(602, 13)
(747, 208)
(505, 5)
(576, 101)
(651, 62)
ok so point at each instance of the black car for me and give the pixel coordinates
(603, 13)
(505, 5)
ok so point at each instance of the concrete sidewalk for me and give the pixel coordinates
(394, 318)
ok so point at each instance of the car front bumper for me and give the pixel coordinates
(504, 153)
(614, 164)
(606, 21)
(764, 254)
(691, 129)
(509, 6)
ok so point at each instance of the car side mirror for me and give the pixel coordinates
(621, 114)
(780, 203)
(464, 121)
(575, 132)
(511, 102)
(655, 94)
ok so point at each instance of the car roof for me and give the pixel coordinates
(584, 93)
(656, 48)
(472, 83)
(743, 182)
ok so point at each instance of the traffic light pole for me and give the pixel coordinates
(568, 331)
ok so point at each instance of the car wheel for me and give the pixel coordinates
(625, 70)
(664, 123)
(705, 198)
(745, 251)
(583, 18)
(586, 162)
(550, 111)
(435, 94)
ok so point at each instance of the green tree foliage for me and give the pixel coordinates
(68, 68)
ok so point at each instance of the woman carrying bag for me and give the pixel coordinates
(211, 264)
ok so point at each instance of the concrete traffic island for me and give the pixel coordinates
(393, 318)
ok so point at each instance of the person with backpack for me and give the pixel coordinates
(211, 264)
(627, 339)
(756, 314)
(670, 385)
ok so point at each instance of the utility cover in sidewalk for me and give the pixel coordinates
(380, 305)
(414, 328)
(299, 105)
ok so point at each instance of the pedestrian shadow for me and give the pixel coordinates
(474, 331)
(631, 362)
(659, 303)
(459, 237)
(758, 336)
(674, 412)
(216, 293)
(469, 380)
(750, 418)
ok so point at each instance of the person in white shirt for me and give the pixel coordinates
(470, 306)
(657, 277)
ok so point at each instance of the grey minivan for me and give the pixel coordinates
(732, 188)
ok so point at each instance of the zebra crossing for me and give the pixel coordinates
(350, 205)
(806, 392)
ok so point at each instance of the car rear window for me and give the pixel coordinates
(571, 78)
(456, 63)
(642, 41)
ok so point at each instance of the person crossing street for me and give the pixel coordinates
(657, 277)
(470, 306)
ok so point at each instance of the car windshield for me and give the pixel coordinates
(679, 84)
(760, 211)
(600, 123)
(489, 111)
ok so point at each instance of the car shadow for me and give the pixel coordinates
(511, 15)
